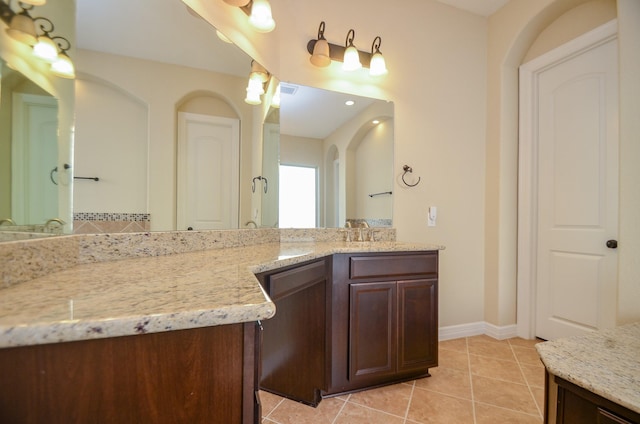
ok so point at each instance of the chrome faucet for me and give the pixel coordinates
(8, 221)
(47, 225)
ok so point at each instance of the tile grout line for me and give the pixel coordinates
(473, 401)
(406, 412)
(535, 402)
(341, 409)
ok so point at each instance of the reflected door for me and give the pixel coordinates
(208, 170)
(34, 147)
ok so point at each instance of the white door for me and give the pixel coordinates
(34, 149)
(208, 170)
(575, 187)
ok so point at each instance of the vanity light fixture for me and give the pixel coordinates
(323, 52)
(258, 11)
(24, 28)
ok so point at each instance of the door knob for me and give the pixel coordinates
(612, 244)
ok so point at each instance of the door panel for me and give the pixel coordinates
(372, 329)
(35, 155)
(577, 193)
(208, 170)
(417, 324)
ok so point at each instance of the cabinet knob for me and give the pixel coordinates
(612, 244)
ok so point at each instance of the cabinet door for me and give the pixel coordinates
(372, 330)
(417, 324)
(294, 340)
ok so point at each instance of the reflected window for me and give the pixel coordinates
(298, 197)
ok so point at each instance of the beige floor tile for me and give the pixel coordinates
(358, 414)
(453, 359)
(503, 394)
(290, 412)
(526, 355)
(391, 399)
(269, 401)
(487, 414)
(496, 368)
(429, 407)
(459, 345)
(447, 381)
(493, 349)
(538, 395)
(517, 341)
(534, 374)
(484, 338)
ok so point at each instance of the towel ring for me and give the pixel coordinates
(408, 169)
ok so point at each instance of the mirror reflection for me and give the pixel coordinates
(28, 155)
(153, 102)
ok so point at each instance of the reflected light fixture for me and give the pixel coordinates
(275, 100)
(322, 53)
(351, 61)
(259, 12)
(258, 76)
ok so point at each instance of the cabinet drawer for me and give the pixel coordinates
(378, 266)
(289, 282)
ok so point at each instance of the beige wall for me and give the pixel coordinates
(453, 79)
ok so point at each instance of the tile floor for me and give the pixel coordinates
(479, 380)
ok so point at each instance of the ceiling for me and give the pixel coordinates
(167, 31)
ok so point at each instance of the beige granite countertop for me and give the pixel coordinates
(606, 363)
(157, 293)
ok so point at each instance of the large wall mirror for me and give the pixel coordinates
(160, 115)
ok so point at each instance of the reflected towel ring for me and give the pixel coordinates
(408, 169)
(259, 178)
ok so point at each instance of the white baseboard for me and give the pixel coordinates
(476, 329)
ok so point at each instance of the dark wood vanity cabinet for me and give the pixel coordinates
(349, 322)
(576, 405)
(200, 375)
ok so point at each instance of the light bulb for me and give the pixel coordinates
(46, 49)
(351, 59)
(63, 67)
(378, 65)
(261, 18)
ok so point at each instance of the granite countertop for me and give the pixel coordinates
(159, 293)
(606, 363)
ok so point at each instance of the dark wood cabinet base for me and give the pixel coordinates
(188, 376)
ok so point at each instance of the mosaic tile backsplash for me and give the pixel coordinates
(110, 222)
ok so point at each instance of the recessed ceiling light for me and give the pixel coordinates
(349, 103)
(375, 122)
